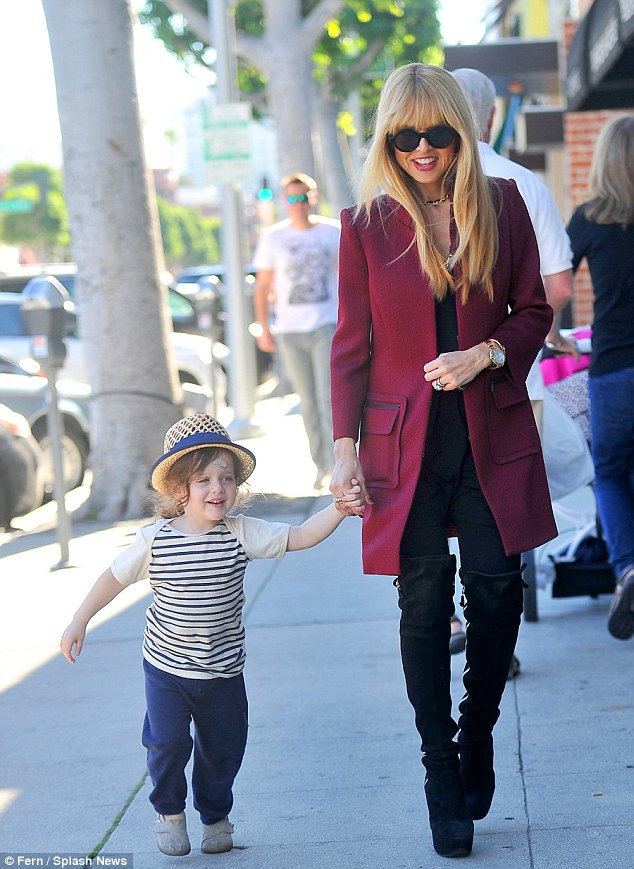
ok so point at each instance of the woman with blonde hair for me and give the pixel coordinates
(602, 231)
(441, 313)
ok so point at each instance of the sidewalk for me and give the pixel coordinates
(332, 774)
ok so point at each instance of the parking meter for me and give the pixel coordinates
(208, 312)
(45, 311)
(209, 308)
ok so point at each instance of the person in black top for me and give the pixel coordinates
(602, 231)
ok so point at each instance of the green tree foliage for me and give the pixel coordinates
(171, 28)
(45, 226)
(370, 38)
(189, 238)
(358, 48)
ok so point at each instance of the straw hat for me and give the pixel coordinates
(194, 433)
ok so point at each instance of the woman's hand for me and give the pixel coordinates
(352, 500)
(347, 477)
(456, 369)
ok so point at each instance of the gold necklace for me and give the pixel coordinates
(436, 201)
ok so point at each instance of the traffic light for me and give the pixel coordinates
(265, 206)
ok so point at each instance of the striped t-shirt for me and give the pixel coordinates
(194, 625)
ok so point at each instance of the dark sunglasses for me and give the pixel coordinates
(303, 197)
(440, 136)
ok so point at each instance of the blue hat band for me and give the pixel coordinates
(199, 439)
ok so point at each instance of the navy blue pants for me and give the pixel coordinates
(218, 709)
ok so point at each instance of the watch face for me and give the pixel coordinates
(497, 357)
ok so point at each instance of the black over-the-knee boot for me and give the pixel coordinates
(493, 611)
(426, 588)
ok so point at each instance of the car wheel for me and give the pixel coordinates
(74, 455)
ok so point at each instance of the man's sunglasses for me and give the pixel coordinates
(440, 136)
(302, 197)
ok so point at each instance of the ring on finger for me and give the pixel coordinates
(438, 384)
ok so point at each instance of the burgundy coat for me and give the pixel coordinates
(386, 333)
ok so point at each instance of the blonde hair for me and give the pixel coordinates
(420, 95)
(611, 174)
(298, 178)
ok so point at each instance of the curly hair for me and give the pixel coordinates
(181, 472)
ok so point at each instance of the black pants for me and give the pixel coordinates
(448, 493)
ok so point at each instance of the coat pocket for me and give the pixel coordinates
(511, 423)
(380, 444)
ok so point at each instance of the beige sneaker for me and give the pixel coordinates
(217, 837)
(171, 835)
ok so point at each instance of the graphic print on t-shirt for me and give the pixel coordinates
(307, 269)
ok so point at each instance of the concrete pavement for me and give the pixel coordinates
(332, 774)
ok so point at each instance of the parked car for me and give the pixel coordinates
(193, 353)
(27, 394)
(12, 366)
(182, 309)
(15, 281)
(21, 479)
(190, 281)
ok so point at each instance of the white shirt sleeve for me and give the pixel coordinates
(133, 563)
(262, 258)
(259, 538)
(555, 252)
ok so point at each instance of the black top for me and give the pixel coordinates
(447, 414)
(446, 324)
(609, 251)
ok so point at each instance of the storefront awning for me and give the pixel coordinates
(600, 68)
(531, 64)
(528, 67)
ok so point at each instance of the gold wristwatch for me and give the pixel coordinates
(497, 353)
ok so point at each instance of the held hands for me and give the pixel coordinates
(348, 483)
(456, 369)
(352, 503)
(349, 492)
(73, 636)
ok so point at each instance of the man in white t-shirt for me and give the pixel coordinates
(555, 253)
(552, 239)
(297, 273)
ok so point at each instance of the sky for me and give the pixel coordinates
(29, 127)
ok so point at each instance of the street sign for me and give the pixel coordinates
(16, 206)
(227, 144)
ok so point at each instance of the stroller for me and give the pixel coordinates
(575, 563)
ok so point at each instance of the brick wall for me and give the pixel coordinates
(580, 133)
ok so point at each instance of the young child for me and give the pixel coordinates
(195, 556)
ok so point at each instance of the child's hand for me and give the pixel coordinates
(353, 503)
(73, 636)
